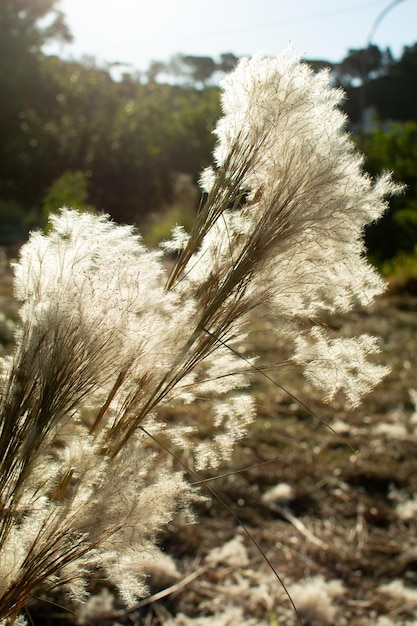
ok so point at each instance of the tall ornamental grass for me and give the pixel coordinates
(108, 340)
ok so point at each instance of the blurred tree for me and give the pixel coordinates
(25, 26)
(362, 65)
(192, 71)
(164, 131)
(128, 140)
(227, 62)
(194, 117)
(397, 97)
(155, 69)
(201, 69)
(56, 128)
(391, 93)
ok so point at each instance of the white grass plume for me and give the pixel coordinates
(107, 340)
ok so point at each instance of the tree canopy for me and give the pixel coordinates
(21, 27)
(72, 133)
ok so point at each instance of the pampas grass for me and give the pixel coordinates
(107, 340)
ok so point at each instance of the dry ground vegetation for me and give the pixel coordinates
(328, 494)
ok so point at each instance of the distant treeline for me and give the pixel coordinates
(73, 134)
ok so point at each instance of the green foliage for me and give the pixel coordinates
(22, 35)
(393, 147)
(402, 272)
(181, 212)
(20, 24)
(15, 221)
(69, 190)
(389, 87)
(195, 69)
(362, 65)
(130, 140)
(273, 620)
(160, 225)
(192, 71)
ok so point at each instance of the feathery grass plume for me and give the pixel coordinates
(98, 334)
(107, 340)
(291, 236)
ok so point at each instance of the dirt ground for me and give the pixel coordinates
(351, 512)
(327, 494)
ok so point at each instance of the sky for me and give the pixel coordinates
(134, 32)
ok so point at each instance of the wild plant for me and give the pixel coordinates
(108, 340)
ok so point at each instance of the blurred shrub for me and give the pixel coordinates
(402, 272)
(393, 147)
(181, 211)
(15, 221)
(69, 190)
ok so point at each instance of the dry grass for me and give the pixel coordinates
(341, 520)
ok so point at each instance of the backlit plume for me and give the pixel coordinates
(109, 344)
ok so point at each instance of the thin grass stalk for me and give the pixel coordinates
(226, 193)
